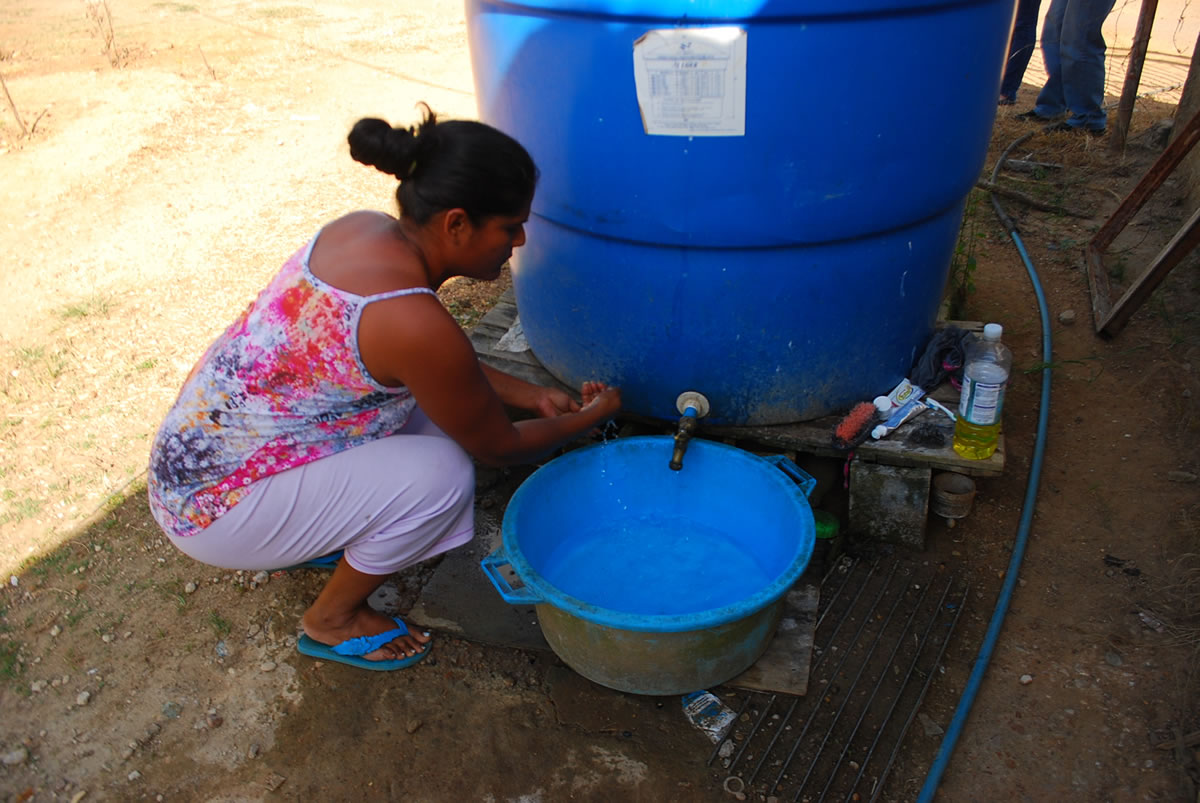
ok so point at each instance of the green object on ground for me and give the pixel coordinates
(828, 526)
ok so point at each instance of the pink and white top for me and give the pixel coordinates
(282, 386)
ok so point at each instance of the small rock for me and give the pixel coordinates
(1066, 317)
(107, 638)
(83, 698)
(1026, 680)
(1112, 659)
(214, 720)
(135, 776)
(127, 754)
(14, 581)
(253, 631)
(54, 631)
(172, 710)
(254, 751)
(38, 686)
(413, 725)
(1181, 476)
(726, 749)
(78, 796)
(274, 781)
(261, 578)
(190, 588)
(1151, 621)
(15, 757)
(931, 727)
(267, 666)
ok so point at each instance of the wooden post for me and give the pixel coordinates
(1189, 105)
(13, 106)
(1133, 76)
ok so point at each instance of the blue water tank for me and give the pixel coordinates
(755, 199)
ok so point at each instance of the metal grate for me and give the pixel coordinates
(880, 636)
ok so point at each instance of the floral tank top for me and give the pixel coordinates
(282, 386)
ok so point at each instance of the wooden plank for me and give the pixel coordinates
(813, 437)
(1133, 76)
(783, 668)
(1167, 161)
(1098, 281)
(534, 374)
(1186, 239)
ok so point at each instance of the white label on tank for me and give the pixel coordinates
(691, 82)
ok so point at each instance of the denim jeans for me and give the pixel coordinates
(1073, 49)
(1024, 37)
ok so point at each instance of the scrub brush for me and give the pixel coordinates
(856, 426)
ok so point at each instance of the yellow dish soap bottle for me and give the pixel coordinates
(987, 365)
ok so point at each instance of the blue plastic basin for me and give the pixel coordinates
(651, 580)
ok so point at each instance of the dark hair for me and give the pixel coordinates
(456, 164)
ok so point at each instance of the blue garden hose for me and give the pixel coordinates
(1031, 490)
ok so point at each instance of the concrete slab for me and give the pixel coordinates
(460, 599)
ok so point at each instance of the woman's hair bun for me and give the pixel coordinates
(452, 164)
(376, 143)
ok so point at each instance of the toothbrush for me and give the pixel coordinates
(942, 407)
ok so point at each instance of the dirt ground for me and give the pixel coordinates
(172, 165)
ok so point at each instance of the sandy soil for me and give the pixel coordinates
(166, 175)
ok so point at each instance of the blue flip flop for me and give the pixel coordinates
(329, 561)
(351, 651)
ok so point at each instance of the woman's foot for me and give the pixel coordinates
(363, 621)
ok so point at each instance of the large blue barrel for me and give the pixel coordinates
(786, 272)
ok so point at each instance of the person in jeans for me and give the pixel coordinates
(1024, 37)
(1073, 49)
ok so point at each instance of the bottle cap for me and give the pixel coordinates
(992, 331)
(882, 403)
(879, 432)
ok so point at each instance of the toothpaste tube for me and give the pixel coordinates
(907, 398)
(903, 392)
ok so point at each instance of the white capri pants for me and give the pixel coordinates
(389, 504)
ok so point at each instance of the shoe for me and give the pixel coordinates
(1006, 101)
(351, 651)
(1032, 115)
(329, 561)
(1074, 129)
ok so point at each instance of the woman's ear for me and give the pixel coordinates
(456, 225)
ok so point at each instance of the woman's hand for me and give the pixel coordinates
(552, 401)
(600, 398)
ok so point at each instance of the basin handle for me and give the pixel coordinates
(807, 481)
(517, 596)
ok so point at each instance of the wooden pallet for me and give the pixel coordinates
(807, 437)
